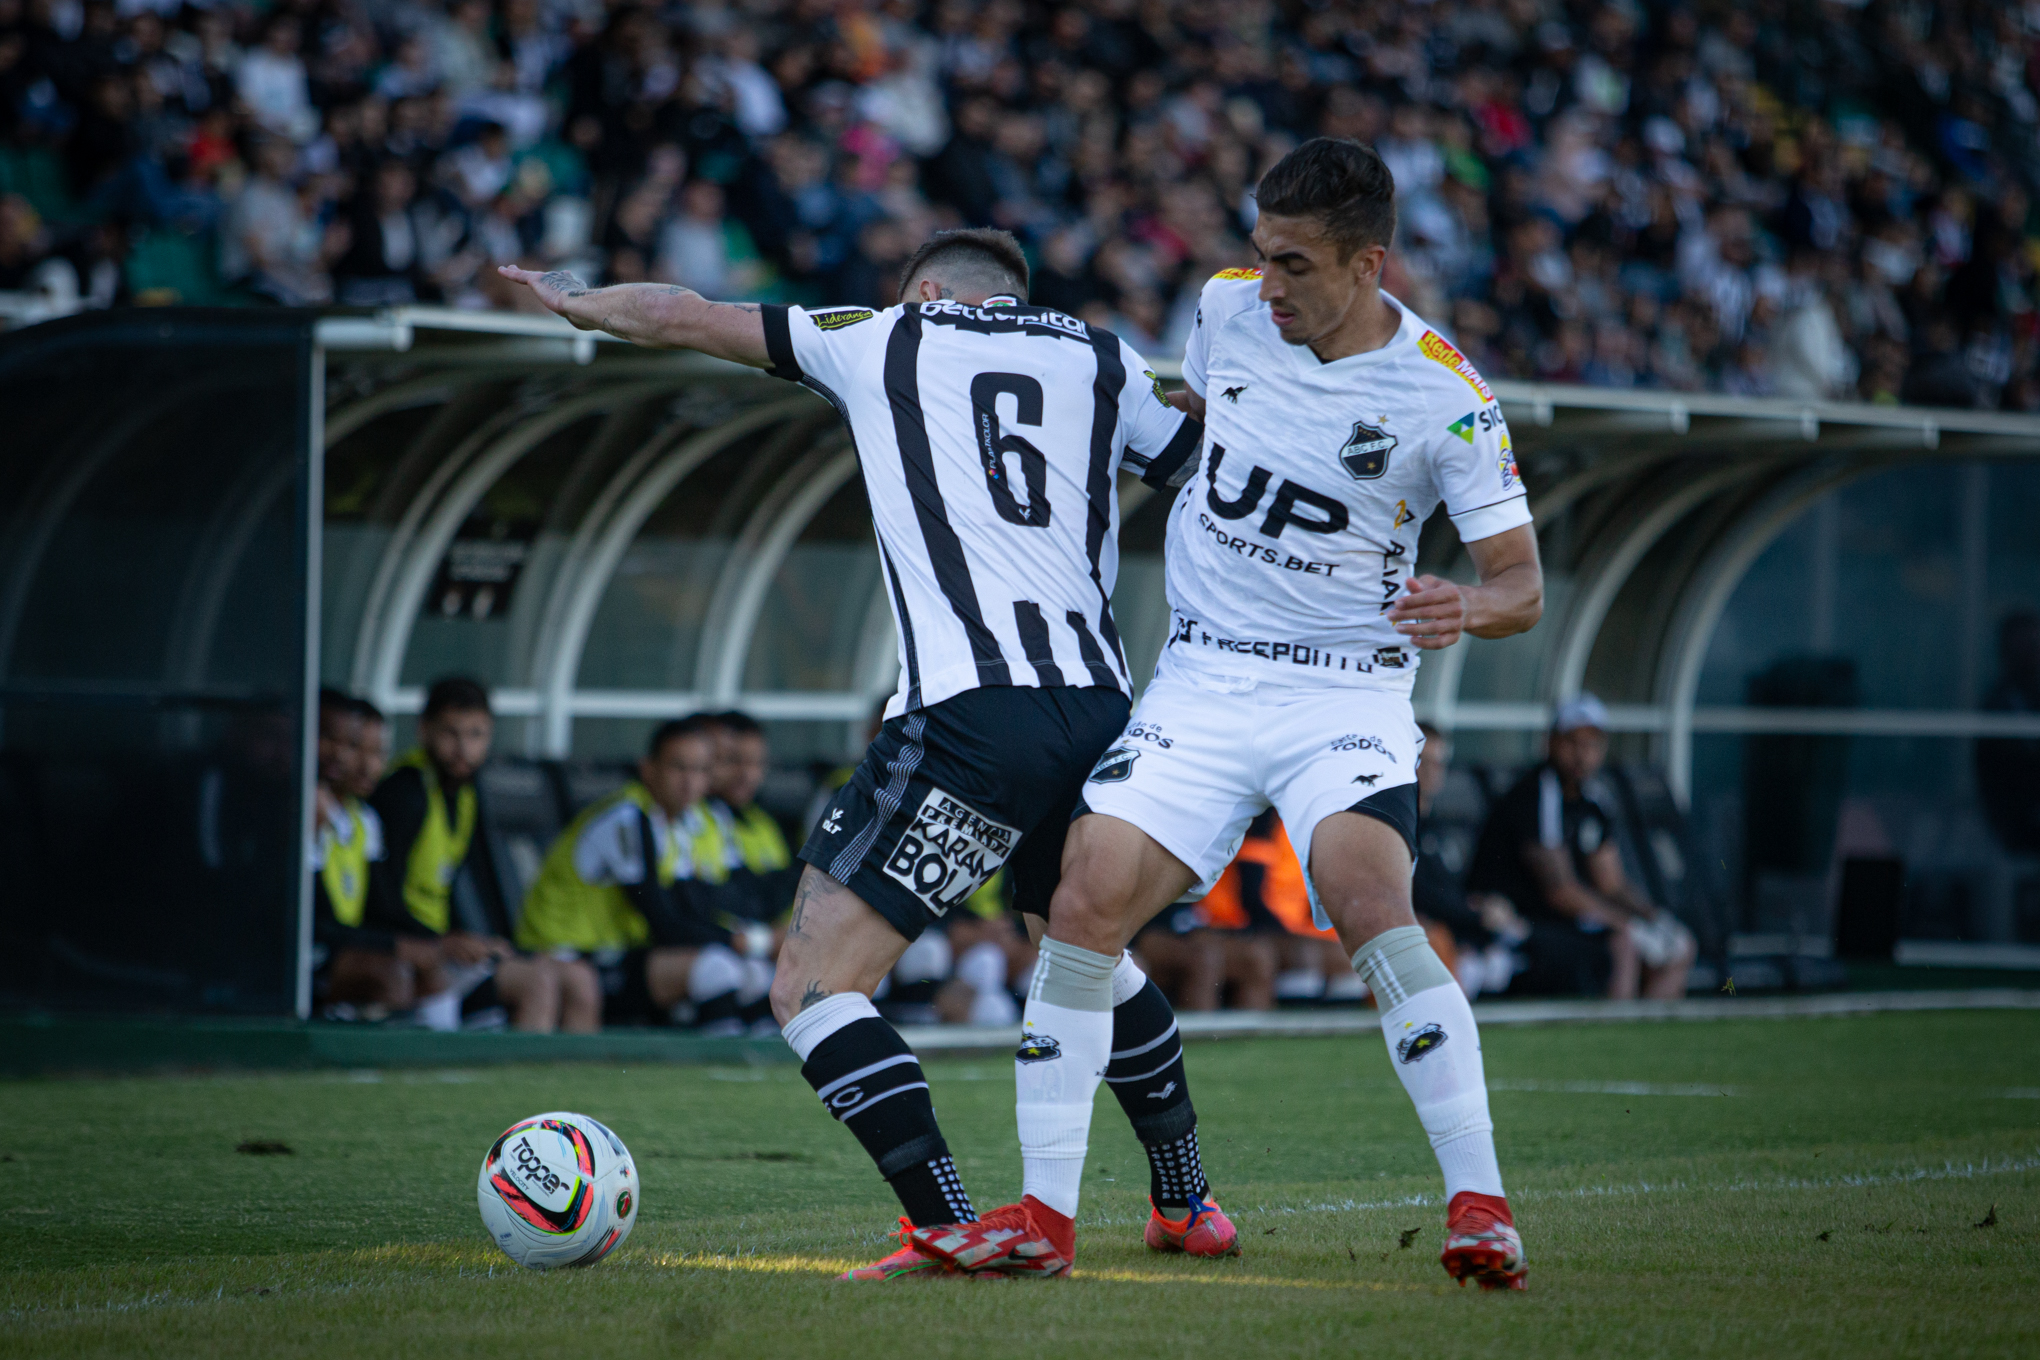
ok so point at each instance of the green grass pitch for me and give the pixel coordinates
(1744, 1188)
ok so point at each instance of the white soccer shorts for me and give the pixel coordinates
(1197, 763)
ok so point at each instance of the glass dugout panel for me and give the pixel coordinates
(152, 662)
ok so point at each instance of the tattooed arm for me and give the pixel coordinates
(656, 315)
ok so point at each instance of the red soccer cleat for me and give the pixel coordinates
(1027, 1240)
(1204, 1231)
(904, 1264)
(1481, 1242)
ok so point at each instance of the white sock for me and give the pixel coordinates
(716, 970)
(1065, 1045)
(440, 1011)
(983, 967)
(1434, 1047)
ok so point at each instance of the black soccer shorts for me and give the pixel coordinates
(948, 795)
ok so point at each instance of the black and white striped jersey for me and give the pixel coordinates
(989, 436)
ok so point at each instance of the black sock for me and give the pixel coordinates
(1147, 1075)
(720, 1010)
(870, 1081)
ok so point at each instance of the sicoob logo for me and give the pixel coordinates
(1426, 1040)
(1037, 1048)
(1115, 765)
(949, 852)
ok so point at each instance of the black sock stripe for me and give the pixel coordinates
(929, 1147)
(1136, 1052)
(839, 1083)
(1156, 1072)
(1166, 1126)
(855, 1110)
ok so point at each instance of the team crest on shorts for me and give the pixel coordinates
(1417, 1046)
(1115, 765)
(949, 851)
(1365, 452)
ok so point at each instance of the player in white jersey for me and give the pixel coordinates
(1336, 422)
(989, 433)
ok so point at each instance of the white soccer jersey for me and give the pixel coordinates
(989, 437)
(1289, 547)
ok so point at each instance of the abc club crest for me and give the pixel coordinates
(1365, 452)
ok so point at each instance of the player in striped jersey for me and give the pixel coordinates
(990, 433)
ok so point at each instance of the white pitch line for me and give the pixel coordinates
(938, 1039)
(1614, 1088)
(1909, 1175)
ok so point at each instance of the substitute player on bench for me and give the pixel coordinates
(989, 433)
(1336, 420)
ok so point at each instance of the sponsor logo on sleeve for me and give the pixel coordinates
(1155, 383)
(1506, 464)
(1465, 426)
(1237, 274)
(837, 319)
(1435, 348)
(949, 851)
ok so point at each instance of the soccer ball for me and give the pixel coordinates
(558, 1189)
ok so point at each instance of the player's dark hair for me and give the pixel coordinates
(981, 256)
(456, 694)
(1341, 183)
(694, 725)
(741, 723)
(368, 711)
(335, 701)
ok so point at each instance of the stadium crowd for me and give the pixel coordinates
(664, 899)
(1823, 198)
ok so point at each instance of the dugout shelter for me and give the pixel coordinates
(204, 515)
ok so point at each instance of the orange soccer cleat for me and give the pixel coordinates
(1481, 1242)
(1204, 1231)
(905, 1264)
(1027, 1240)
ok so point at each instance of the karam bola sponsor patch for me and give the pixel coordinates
(949, 851)
(1438, 350)
(843, 316)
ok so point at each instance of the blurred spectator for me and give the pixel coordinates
(441, 884)
(1814, 201)
(358, 969)
(2008, 768)
(1550, 848)
(1202, 966)
(1263, 892)
(738, 836)
(1483, 927)
(972, 969)
(617, 903)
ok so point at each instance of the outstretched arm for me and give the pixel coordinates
(657, 315)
